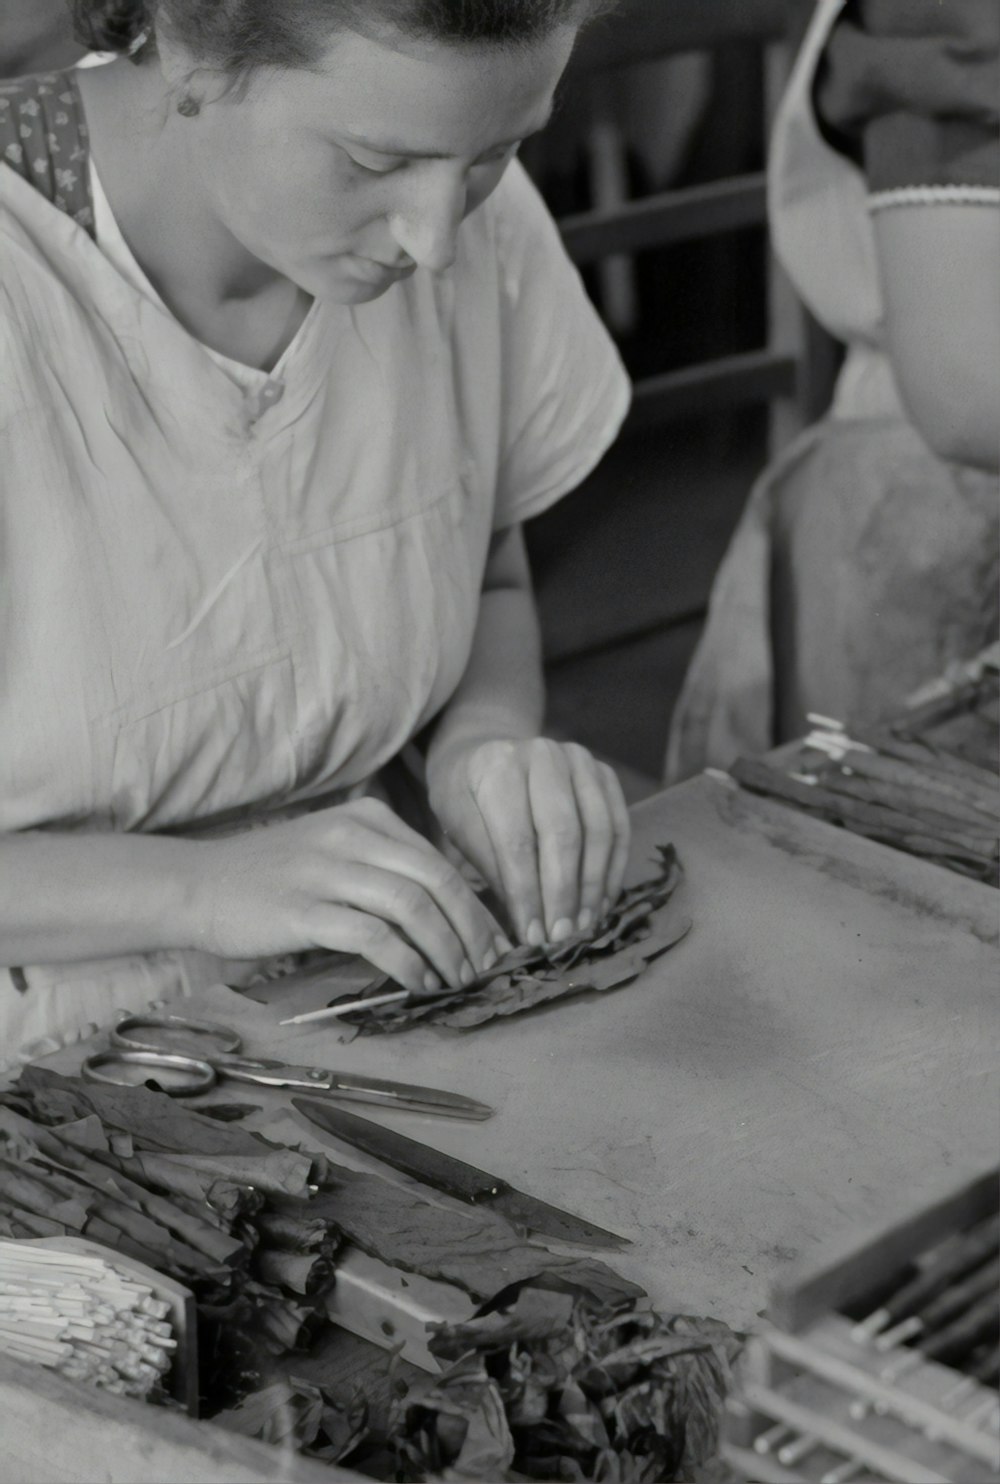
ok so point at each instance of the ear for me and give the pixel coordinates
(184, 76)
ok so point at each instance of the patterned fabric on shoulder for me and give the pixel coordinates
(43, 136)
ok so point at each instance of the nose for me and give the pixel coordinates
(426, 225)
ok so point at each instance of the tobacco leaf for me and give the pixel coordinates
(477, 1251)
(228, 1112)
(158, 1123)
(297, 1412)
(459, 1425)
(634, 933)
(632, 1399)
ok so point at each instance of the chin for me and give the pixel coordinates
(354, 293)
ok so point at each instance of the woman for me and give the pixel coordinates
(290, 351)
(867, 558)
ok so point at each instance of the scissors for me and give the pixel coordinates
(208, 1051)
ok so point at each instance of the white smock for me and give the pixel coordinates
(225, 592)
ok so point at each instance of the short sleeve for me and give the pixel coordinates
(911, 90)
(564, 389)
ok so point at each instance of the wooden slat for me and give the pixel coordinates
(669, 216)
(730, 381)
(54, 1431)
(639, 30)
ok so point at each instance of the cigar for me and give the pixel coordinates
(953, 1302)
(955, 1258)
(987, 1370)
(957, 1339)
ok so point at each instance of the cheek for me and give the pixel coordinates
(482, 185)
(273, 187)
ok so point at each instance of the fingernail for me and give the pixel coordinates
(584, 921)
(561, 930)
(467, 973)
(502, 946)
(489, 960)
(431, 981)
(535, 934)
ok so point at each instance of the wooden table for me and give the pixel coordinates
(821, 1045)
(819, 1051)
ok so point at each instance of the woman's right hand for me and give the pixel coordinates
(353, 878)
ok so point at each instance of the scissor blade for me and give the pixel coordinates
(453, 1176)
(405, 1095)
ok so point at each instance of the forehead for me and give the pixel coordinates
(434, 98)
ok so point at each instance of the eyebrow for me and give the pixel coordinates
(429, 154)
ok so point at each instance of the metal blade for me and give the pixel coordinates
(406, 1095)
(539, 1219)
(452, 1176)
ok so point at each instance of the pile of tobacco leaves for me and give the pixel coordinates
(551, 1388)
(635, 932)
(213, 1206)
(560, 1376)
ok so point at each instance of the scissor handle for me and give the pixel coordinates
(200, 1073)
(224, 1038)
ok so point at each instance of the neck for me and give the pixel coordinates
(143, 157)
(219, 292)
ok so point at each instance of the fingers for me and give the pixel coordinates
(351, 931)
(622, 835)
(499, 786)
(559, 828)
(583, 833)
(596, 787)
(392, 875)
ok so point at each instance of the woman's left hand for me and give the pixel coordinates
(544, 823)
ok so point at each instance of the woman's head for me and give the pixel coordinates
(342, 142)
(235, 36)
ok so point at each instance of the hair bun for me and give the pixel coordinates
(110, 25)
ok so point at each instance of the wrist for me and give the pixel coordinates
(448, 751)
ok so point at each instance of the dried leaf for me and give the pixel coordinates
(158, 1123)
(298, 1413)
(461, 1426)
(635, 932)
(477, 1251)
(632, 1398)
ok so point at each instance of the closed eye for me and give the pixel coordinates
(386, 169)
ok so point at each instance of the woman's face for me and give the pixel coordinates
(347, 177)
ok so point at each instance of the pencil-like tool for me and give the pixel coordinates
(519, 958)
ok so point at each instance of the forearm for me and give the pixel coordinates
(65, 898)
(501, 694)
(940, 265)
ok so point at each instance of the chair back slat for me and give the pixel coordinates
(666, 217)
(638, 30)
(746, 379)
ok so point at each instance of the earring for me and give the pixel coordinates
(188, 107)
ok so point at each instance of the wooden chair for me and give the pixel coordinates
(793, 371)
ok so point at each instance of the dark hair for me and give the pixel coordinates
(235, 36)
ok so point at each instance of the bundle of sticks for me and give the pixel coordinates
(82, 1315)
(948, 1310)
(192, 1200)
(900, 790)
(919, 1372)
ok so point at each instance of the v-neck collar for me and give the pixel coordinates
(111, 242)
